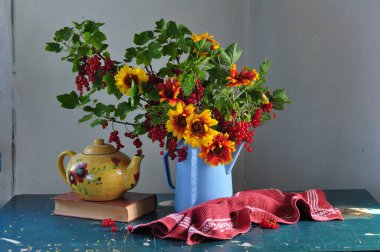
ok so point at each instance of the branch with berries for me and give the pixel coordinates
(198, 98)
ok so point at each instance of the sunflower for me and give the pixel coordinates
(209, 38)
(219, 151)
(245, 77)
(126, 75)
(198, 130)
(177, 119)
(169, 91)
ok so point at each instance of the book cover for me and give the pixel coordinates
(131, 207)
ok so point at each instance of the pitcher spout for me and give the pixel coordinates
(133, 173)
(235, 155)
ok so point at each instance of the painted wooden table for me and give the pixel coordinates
(27, 219)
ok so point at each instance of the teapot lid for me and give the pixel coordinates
(99, 148)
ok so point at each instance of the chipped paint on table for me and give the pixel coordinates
(26, 224)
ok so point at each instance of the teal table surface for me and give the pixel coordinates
(28, 221)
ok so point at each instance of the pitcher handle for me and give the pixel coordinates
(167, 171)
(60, 166)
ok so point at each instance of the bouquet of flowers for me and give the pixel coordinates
(199, 96)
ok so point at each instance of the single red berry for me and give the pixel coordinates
(161, 153)
(105, 223)
(114, 229)
(274, 116)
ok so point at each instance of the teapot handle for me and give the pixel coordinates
(61, 156)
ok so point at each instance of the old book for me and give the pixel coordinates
(131, 207)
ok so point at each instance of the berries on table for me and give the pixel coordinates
(269, 224)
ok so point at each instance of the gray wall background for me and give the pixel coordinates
(325, 53)
(6, 102)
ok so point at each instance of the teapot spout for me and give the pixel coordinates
(235, 155)
(133, 173)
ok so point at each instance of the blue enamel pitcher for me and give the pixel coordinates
(197, 181)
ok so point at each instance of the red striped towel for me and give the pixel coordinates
(225, 218)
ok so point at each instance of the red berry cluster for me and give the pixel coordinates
(171, 145)
(136, 142)
(196, 95)
(154, 80)
(81, 82)
(238, 131)
(267, 108)
(176, 71)
(269, 224)
(256, 119)
(109, 67)
(114, 137)
(109, 223)
(182, 154)
(174, 151)
(93, 65)
(90, 69)
(157, 133)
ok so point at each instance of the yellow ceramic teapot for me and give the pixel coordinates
(100, 172)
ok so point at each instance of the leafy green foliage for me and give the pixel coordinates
(230, 55)
(69, 101)
(190, 61)
(53, 47)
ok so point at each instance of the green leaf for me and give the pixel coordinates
(138, 117)
(143, 37)
(91, 26)
(217, 73)
(63, 34)
(123, 109)
(78, 26)
(155, 121)
(130, 53)
(281, 94)
(170, 50)
(153, 95)
(53, 47)
(88, 109)
(84, 99)
(277, 103)
(87, 37)
(95, 122)
(75, 67)
(143, 57)
(139, 129)
(154, 50)
(85, 118)
(68, 101)
(160, 24)
(230, 55)
(75, 39)
(187, 83)
(264, 67)
(172, 29)
(83, 50)
(133, 93)
(99, 109)
(184, 30)
(97, 38)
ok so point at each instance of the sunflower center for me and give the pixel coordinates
(168, 92)
(129, 78)
(218, 150)
(197, 127)
(181, 120)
